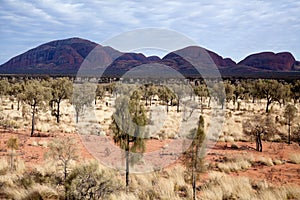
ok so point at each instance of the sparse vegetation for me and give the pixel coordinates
(68, 176)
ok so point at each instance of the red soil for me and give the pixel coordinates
(278, 174)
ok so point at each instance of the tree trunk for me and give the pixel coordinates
(259, 143)
(194, 185)
(267, 108)
(167, 106)
(289, 136)
(77, 117)
(32, 121)
(127, 163)
(58, 112)
(18, 105)
(65, 180)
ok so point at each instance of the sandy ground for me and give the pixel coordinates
(32, 149)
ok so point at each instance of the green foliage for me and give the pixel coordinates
(229, 89)
(129, 120)
(295, 91)
(100, 91)
(87, 181)
(61, 89)
(166, 94)
(35, 95)
(83, 96)
(4, 87)
(290, 112)
(193, 157)
(271, 90)
(218, 91)
(261, 127)
(63, 151)
(127, 125)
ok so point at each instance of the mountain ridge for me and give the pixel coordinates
(66, 56)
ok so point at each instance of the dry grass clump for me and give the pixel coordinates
(235, 163)
(37, 191)
(277, 162)
(161, 185)
(294, 158)
(222, 186)
(234, 166)
(266, 161)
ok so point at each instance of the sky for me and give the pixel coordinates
(231, 28)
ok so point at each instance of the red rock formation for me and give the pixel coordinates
(268, 60)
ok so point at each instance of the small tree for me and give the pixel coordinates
(180, 91)
(229, 89)
(13, 145)
(83, 96)
(35, 95)
(238, 92)
(193, 157)
(61, 89)
(16, 91)
(63, 151)
(259, 127)
(4, 87)
(290, 113)
(295, 91)
(271, 90)
(149, 91)
(128, 124)
(100, 91)
(166, 95)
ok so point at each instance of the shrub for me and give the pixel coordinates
(87, 181)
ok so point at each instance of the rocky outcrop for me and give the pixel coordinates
(60, 56)
(284, 61)
(68, 56)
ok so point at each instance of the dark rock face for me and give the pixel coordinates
(221, 62)
(268, 60)
(60, 56)
(68, 56)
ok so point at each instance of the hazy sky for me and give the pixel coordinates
(231, 28)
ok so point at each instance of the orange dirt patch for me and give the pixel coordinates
(32, 149)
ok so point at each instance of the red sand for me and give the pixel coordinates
(278, 174)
